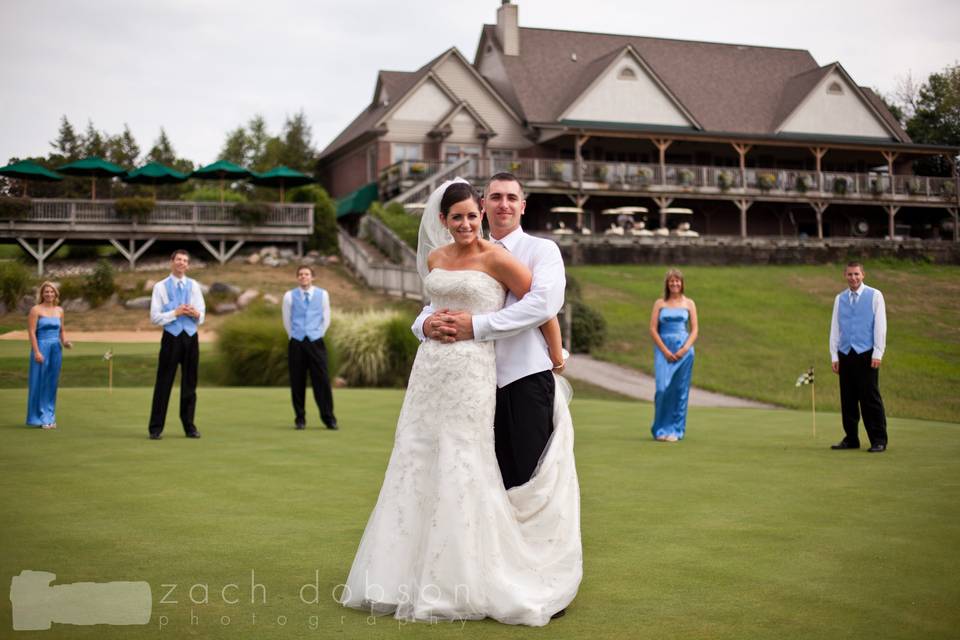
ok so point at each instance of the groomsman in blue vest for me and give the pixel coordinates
(858, 337)
(306, 317)
(178, 307)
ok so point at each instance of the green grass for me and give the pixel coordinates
(748, 529)
(760, 327)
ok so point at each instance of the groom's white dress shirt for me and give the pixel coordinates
(521, 348)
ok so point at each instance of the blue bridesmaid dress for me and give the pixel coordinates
(673, 378)
(42, 399)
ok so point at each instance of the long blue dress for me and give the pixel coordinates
(673, 378)
(42, 399)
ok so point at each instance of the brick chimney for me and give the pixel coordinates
(508, 28)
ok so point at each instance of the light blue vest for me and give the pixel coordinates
(306, 320)
(174, 299)
(856, 322)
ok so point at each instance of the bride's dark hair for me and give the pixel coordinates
(458, 192)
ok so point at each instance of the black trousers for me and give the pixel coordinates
(303, 356)
(522, 425)
(182, 350)
(860, 394)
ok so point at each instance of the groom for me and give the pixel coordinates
(523, 421)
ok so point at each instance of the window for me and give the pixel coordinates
(834, 88)
(406, 151)
(627, 74)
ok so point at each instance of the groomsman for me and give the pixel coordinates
(858, 337)
(178, 307)
(306, 317)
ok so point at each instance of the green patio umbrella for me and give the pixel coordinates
(282, 177)
(154, 173)
(221, 170)
(26, 170)
(93, 168)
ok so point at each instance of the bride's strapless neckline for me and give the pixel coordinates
(466, 271)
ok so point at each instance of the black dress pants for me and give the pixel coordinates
(182, 350)
(523, 424)
(303, 356)
(860, 394)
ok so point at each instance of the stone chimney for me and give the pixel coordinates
(508, 28)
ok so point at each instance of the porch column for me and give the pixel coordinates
(131, 252)
(578, 143)
(662, 145)
(819, 207)
(890, 156)
(579, 200)
(818, 153)
(742, 149)
(662, 203)
(743, 204)
(953, 214)
(40, 254)
(891, 213)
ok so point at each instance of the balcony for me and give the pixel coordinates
(544, 175)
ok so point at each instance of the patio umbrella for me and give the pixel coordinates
(221, 170)
(93, 168)
(281, 177)
(153, 174)
(26, 170)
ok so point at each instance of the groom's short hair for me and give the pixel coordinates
(504, 176)
(308, 268)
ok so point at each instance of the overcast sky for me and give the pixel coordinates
(199, 67)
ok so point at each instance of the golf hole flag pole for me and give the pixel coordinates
(807, 378)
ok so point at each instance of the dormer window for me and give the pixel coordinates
(627, 74)
(835, 89)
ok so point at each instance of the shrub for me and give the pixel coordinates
(556, 171)
(766, 181)
(251, 214)
(418, 168)
(802, 184)
(72, 288)
(840, 186)
(948, 189)
(587, 326)
(14, 282)
(685, 177)
(138, 209)
(724, 180)
(253, 348)
(405, 225)
(212, 194)
(14, 208)
(600, 172)
(375, 348)
(324, 237)
(914, 187)
(99, 285)
(876, 186)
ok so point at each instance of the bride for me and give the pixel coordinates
(445, 540)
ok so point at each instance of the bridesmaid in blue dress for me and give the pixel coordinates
(673, 358)
(45, 326)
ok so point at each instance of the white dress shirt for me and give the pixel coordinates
(287, 305)
(879, 322)
(521, 347)
(160, 299)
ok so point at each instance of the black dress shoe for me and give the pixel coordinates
(843, 444)
(333, 427)
(156, 436)
(559, 614)
(193, 434)
(877, 448)
(299, 426)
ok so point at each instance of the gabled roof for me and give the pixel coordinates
(595, 71)
(801, 86)
(443, 127)
(397, 86)
(725, 87)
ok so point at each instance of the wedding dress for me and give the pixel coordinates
(446, 540)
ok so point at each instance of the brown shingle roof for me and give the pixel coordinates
(878, 104)
(726, 87)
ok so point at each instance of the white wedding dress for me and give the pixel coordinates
(446, 540)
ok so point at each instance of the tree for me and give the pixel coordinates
(162, 151)
(298, 151)
(67, 145)
(236, 146)
(259, 144)
(937, 116)
(93, 142)
(123, 149)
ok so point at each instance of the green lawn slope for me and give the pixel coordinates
(760, 327)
